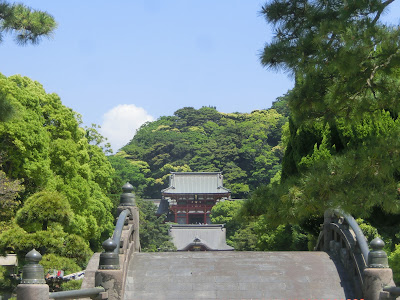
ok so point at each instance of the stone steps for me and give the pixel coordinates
(235, 275)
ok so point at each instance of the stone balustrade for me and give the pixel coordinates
(367, 270)
(105, 275)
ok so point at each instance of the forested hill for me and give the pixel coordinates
(247, 148)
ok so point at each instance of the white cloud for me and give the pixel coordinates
(120, 124)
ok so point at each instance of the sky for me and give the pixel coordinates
(122, 63)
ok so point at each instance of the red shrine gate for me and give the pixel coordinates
(191, 196)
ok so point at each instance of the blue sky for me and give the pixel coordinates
(124, 62)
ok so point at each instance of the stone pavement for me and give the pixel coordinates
(235, 275)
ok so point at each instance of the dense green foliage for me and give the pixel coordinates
(7, 282)
(227, 212)
(153, 231)
(343, 147)
(394, 263)
(256, 234)
(72, 285)
(245, 147)
(9, 201)
(342, 144)
(54, 183)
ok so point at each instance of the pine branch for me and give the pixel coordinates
(29, 25)
(378, 15)
(376, 68)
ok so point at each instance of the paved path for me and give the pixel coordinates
(235, 275)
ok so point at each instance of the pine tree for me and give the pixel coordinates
(339, 53)
(344, 124)
(28, 25)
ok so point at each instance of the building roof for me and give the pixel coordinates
(195, 183)
(211, 237)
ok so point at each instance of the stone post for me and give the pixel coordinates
(108, 259)
(113, 266)
(135, 221)
(127, 201)
(378, 274)
(127, 198)
(33, 285)
(327, 230)
(110, 275)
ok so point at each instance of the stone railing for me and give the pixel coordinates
(33, 285)
(109, 269)
(367, 270)
(106, 272)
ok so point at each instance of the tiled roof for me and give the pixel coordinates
(195, 183)
(213, 237)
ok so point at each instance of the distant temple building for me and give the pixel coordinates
(188, 201)
(191, 196)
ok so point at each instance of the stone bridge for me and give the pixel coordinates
(341, 267)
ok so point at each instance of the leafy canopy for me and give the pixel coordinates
(63, 207)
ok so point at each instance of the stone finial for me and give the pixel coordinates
(108, 259)
(127, 188)
(33, 257)
(32, 272)
(127, 197)
(377, 257)
(109, 245)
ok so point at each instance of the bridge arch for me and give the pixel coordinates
(341, 252)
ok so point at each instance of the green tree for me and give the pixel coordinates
(340, 54)
(245, 239)
(153, 231)
(7, 282)
(9, 190)
(343, 113)
(42, 208)
(284, 237)
(28, 25)
(6, 109)
(52, 262)
(53, 240)
(228, 213)
(340, 143)
(129, 171)
(281, 105)
(65, 209)
(95, 138)
(394, 263)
